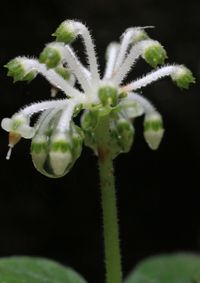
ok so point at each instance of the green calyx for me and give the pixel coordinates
(108, 95)
(63, 72)
(17, 70)
(64, 33)
(183, 78)
(155, 55)
(50, 56)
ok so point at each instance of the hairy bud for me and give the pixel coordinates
(155, 54)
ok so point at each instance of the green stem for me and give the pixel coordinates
(109, 207)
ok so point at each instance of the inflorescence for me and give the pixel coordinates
(56, 139)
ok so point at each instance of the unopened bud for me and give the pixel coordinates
(126, 133)
(122, 136)
(60, 155)
(153, 129)
(51, 55)
(183, 77)
(54, 153)
(65, 32)
(19, 70)
(108, 95)
(155, 54)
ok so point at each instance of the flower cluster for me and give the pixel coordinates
(56, 139)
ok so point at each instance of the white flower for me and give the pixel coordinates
(95, 93)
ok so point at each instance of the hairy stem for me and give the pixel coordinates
(109, 207)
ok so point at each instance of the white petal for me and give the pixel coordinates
(6, 124)
(153, 138)
(26, 131)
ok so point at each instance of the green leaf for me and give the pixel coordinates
(36, 270)
(174, 268)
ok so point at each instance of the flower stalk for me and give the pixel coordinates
(109, 204)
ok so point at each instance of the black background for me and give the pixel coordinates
(158, 192)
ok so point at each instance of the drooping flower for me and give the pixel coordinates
(56, 140)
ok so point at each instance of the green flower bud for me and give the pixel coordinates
(18, 70)
(122, 136)
(155, 54)
(183, 77)
(51, 55)
(65, 32)
(108, 95)
(153, 129)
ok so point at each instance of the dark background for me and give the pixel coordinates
(158, 192)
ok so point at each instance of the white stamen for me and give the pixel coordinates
(9, 151)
